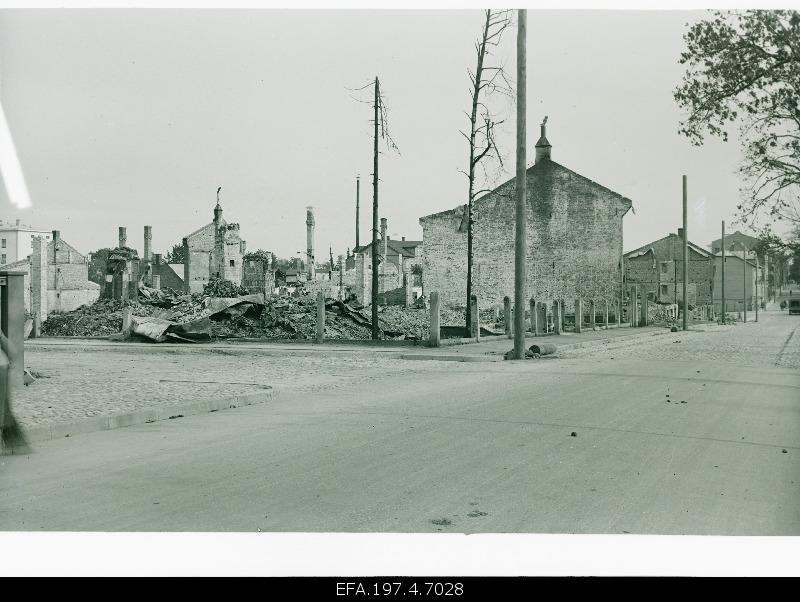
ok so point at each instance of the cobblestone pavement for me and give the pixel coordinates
(76, 384)
(774, 341)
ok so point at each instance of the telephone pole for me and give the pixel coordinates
(723, 271)
(375, 329)
(685, 262)
(358, 209)
(520, 243)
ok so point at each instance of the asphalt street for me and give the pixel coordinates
(663, 437)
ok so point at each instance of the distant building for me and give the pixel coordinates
(573, 237)
(213, 251)
(396, 260)
(739, 273)
(657, 269)
(16, 240)
(771, 267)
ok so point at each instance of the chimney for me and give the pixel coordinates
(123, 236)
(384, 238)
(543, 146)
(56, 235)
(148, 242)
(157, 258)
(680, 233)
(404, 238)
(18, 222)
(310, 242)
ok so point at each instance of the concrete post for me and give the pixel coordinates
(534, 317)
(556, 317)
(320, 317)
(605, 314)
(541, 322)
(578, 315)
(643, 317)
(475, 325)
(127, 314)
(507, 316)
(37, 326)
(592, 312)
(12, 323)
(434, 338)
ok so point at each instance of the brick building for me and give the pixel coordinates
(574, 239)
(657, 269)
(56, 277)
(213, 251)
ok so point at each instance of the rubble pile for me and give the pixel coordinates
(225, 310)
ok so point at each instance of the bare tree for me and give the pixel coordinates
(487, 79)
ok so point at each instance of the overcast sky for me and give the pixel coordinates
(134, 117)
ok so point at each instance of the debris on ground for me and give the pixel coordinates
(226, 310)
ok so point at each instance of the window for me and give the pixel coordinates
(232, 263)
(664, 291)
(3, 258)
(4, 243)
(663, 267)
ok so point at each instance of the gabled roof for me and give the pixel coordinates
(398, 247)
(541, 167)
(648, 247)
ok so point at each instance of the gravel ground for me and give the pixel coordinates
(774, 341)
(74, 385)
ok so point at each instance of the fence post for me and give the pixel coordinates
(643, 318)
(434, 338)
(507, 317)
(605, 315)
(127, 314)
(475, 326)
(578, 315)
(320, 317)
(556, 317)
(534, 318)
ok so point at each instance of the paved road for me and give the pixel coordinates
(461, 448)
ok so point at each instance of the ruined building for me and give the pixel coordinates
(56, 277)
(396, 259)
(213, 251)
(574, 239)
(657, 269)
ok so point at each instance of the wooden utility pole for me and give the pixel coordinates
(723, 271)
(375, 329)
(685, 263)
(520, 274)
(358, 195)
(744, 280)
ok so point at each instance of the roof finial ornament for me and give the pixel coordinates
(545, 120)
(220, 188)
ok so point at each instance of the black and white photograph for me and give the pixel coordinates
(455, 289)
